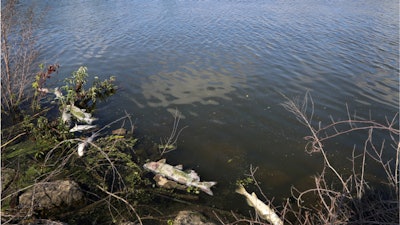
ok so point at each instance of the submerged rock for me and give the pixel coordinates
(120, 131)
(168, 184)
(191, 218)
(52, 197)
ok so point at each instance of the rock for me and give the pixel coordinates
(168, 184)
(53, 197)
(191, 218)
(7, 176)
(9, 187)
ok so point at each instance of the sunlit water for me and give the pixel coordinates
(223, 65)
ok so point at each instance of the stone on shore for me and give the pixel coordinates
(52, 197)
(191, 218)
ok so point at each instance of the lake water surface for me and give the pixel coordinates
(224, 64)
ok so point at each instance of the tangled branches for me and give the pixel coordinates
(338, 197)
(355, 201)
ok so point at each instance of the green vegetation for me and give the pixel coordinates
(87, 98)
(49, 150)
(108, 169)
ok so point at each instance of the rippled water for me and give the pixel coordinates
(223, 65)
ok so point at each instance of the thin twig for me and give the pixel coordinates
(169, 144)
(123, 200)
(15, 138)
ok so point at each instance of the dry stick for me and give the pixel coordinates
(293, 107)
(115, 121)
(392, 179)
(397, 169)
(358, 182)
(360, 190)
(173, 138)
(251, 175)
(316, 145)
(114, 169)
(48, 155)
(130, 121)
(368, 125)
(59, 168)
(323, 191)
(16, 192)
(16, 137)
(123, 200)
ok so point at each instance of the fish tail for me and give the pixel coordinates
(241, 190)
(205, 186)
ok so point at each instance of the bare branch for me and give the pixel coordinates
(169, 144)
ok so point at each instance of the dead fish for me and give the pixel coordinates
(66, 117)
(261, 208)
(58, 93)
(189, 179)
(79, 128)
(89, 120)
(84, 143)
(80, 114)
(43, 90)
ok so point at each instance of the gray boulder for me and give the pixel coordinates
(52, 197)
(191, 218)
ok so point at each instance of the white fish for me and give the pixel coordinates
(89, 120)
(81, 148)
(189, 179)
(66, 117)
(261, 208)
(43, 90)
(80, 114)
(58, 93)
(84, 143)
(79, 128)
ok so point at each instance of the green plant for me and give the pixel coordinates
(193, 190)
(245, 181)
(87, 97)
(39, 83)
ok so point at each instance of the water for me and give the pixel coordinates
(223, 65)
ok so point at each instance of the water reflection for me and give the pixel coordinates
(188, 85)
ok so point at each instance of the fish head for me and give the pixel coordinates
(152, 166)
